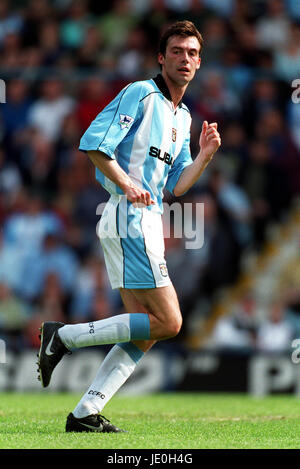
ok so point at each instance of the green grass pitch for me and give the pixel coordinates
(158, 421)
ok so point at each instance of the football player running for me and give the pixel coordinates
(139, 144)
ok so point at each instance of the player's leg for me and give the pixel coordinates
(116, 368)
(162, 306)
(132, 304)
(163, 309)
(122, 359)
(160, 319)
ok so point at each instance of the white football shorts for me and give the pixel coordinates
(133, 245)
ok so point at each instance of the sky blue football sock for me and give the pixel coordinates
(120, 328)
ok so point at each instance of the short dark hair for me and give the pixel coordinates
(179, 28)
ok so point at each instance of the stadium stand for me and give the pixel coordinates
(61, 62)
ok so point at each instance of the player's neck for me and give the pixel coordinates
(176, 91)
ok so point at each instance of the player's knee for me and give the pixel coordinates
(173, 327)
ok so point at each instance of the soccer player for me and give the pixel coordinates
(139, 144)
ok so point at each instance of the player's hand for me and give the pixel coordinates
(138, 197)
(209, 140)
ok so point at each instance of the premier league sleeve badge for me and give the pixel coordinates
(125, 121)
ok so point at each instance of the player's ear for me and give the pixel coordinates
(161, 58)
(199, 63)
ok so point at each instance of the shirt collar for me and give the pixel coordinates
(162, 86)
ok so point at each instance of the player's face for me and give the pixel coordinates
(181, 59)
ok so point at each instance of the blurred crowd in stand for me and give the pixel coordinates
(62, 61)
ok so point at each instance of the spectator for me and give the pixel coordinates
(50, 305)
(272, 29)
(179, 262)
(235, 203)
(90, 52)
(237, 331)
(40, 166)
(263, 97)
(10, 22)
(74, 28)
(276, 333)
(262, 181)
(198, 13)
(272, 128)
(10, 177)
(216, 37)
(53, 258)
(229, 336)
(48, 112)
(217, 260)
(121, 19)
(36, 13)
(216, 102)
(31, 60)
(293, 8)
(94, 95)
(67, 140)
(178, 6)
(27, 230)
(49, 42)
(11, 52)
(243, 13)
(14, 115)
(234, 150)
(238, 75)
(226, 336)
(13, 318)
(131, 60)
(12, 259)
(287, 58)
(91, 279)
(100, 308)
(246, 40)
(224, 8)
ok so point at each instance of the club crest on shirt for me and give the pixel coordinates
(163, 270)
(125, 121)
(174, 133)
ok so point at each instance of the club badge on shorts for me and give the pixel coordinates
(174, 133)
(125, 121)
(163, 270)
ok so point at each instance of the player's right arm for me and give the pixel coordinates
(113, 171)
(107, 131)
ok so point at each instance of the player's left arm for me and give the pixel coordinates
(209, 142)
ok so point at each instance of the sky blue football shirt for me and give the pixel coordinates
(148, 138)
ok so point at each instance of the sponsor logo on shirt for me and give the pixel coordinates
(156, 153)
